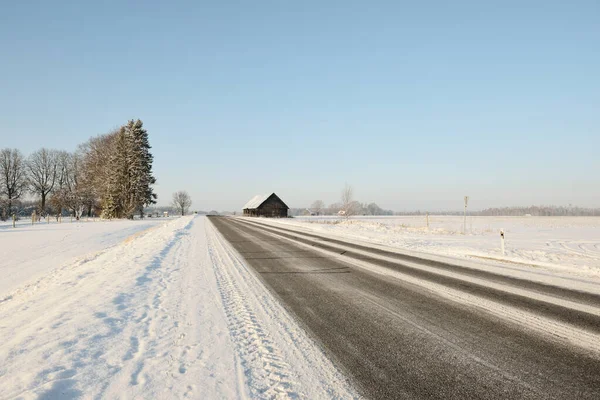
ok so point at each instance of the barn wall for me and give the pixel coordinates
(272, 208)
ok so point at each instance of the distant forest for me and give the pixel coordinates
(536, 211)
(348, 207)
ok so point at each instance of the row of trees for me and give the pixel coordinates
(110, 175)
(347, 206)
(534, 211)
(542, 211)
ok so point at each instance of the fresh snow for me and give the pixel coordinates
(256, 201)
(171, 312)
(569, 245)
(30, 251)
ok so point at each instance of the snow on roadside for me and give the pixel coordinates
(172, 313)
(559, 244)
(27, 251)
(279, 359)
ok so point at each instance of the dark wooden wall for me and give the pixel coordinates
(272, 208)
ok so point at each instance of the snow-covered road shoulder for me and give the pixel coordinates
(174, 313)
(278, 359)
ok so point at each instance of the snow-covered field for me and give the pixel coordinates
(172, 312)
(28, 252)
(565, 244)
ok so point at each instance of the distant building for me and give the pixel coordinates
(266, 206)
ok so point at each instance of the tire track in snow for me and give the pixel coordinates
(268, 375)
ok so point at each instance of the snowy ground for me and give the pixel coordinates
(28, 252)
(172, 312)
(563, 244)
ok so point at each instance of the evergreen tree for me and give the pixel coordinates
(140, 192)
(129, 185)
(114, 201)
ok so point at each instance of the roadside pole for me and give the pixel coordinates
(502, 240)
(465, 221)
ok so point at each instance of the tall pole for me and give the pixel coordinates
(465, 221)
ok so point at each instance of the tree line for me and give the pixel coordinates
(109, 175)
(541, 211)
(346, 207)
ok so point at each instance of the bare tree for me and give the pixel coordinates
(43, 169)
(317, 207)
(333, 208)
(61, 190)
(182, 201)
(348, 205)
(13, 179)
(79, 195)
(70, 192)
(95, 167)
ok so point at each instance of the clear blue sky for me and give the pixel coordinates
(413, 103)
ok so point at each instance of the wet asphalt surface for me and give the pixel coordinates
(396, 340)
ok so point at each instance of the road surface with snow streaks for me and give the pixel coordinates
(403, 327)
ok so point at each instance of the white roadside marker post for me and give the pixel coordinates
(427, 221)
(465, 221)
(502, 240)
(14, 220)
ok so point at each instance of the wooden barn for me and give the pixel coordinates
(269, 205)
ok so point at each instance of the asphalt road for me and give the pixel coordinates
(397, 339)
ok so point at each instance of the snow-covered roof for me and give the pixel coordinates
(256, 201)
